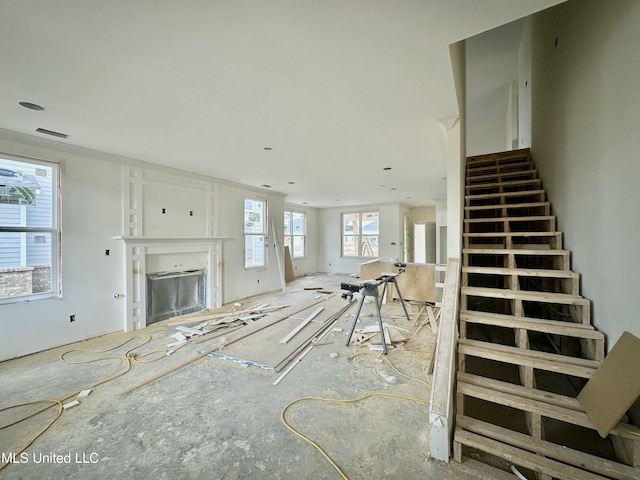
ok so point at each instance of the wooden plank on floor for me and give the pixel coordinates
(432, 320)
(301, 325)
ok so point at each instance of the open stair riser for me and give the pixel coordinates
(517, 282)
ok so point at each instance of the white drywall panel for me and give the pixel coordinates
(491, 67)
(423, 214)
(237, 282)
(524, 87)
(186, 216)
(586, 143)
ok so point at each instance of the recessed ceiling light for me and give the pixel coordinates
(292, 183)
(265, 185)
(268, 148)
(31, 106)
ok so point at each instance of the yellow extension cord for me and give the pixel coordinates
(349, 400)
(130, 358)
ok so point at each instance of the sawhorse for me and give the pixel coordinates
(370, 289)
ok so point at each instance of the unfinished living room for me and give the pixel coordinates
(302, 240)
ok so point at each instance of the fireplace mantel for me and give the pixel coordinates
(137, 248)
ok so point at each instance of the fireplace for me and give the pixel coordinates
(195, 265)
(172, 294)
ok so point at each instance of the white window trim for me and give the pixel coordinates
(359, 235)
(55, 231)
(265, 234)
(291, 235)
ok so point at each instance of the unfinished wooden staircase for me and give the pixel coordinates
(526, 343)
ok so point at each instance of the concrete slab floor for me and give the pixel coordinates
(221, 420)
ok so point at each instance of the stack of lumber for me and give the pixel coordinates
(526, 333)
(207, 324)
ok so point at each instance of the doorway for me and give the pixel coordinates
(424, 242)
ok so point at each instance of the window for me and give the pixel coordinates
(360, 234)
(29, 231)
(255, 233)
(295, 233)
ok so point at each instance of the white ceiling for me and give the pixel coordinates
(338, 89)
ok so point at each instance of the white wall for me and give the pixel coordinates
(492, 67)
(456, 159)
(524, 87)
(330, 237)
(92, 209)
(487, 128)
(238, 283)
(586, 146)
(91, 217)
(423, 214)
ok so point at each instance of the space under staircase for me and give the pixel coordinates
(526, 343)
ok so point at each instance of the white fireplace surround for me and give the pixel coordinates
(137, 249)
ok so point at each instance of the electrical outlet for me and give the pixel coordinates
(72, 318)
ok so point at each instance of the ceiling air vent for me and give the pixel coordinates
(51, 132)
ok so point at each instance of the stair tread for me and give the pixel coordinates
(564, 298)
(480, 196)
(511, 183)
(531, 218)
(467, 345)
(513, 234)
(512, 173)
(526, 459)
(556, 327)
(472, 468)
(536, 401)
(548, 449)
(529, 272)
(506, 155)
(515, 251)
(507, 206)
(551, 398)
(522, 164)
